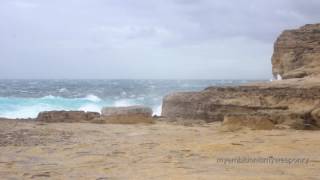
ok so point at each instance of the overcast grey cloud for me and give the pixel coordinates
(167, 39)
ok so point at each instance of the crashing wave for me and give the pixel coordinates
(157, 110)
(62, 90)
(92, 98)
(49, 97)
(123, 103)
(90, 108)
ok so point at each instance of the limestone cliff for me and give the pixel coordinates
(297, 52)
(293, 102)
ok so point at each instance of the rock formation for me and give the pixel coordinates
(126, 115)
(297, 52)
(67, 116)
(112, 115)
(292, 103)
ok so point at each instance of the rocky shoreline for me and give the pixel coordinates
(197, 136)
(290, 103)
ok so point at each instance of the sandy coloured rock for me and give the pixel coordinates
(315, 114)
(67, 116)
(297, 52)
(286, 102)
(126, 115)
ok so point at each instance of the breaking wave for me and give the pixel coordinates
(30, 107)
(92, 98)
(90, 108)
(26, 98)
(124, 103)
(157, 110)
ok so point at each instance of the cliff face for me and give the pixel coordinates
(292, 103)
(297, 52)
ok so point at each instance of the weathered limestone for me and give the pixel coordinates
(127, 111)
(126, 115)
(279, 103)
(291, 102)
(315, 114)
(236, 121)
(112, 115)
(297, 52)
(67, 116)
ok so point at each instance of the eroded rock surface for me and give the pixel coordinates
(112, 115)
(297, 52)
(283, 103)
(126, 115)
(67, 116)
(163, 151)
(288, 103)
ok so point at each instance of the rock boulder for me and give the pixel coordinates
(67, 116)
(126, 115)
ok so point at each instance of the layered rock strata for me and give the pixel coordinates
(297, 52)
(293, 102)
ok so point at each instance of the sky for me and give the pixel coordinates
(145, 39)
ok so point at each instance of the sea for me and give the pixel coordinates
(26, 98)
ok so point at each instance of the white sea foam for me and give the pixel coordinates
(279, 78)
(132, 96)
(123, 103)
(49, 97)
(157, 110)
(30, 111)
(90, 108)
(30, 107)
(92, 98)
(63, 90)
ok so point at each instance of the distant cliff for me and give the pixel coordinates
(293, 103)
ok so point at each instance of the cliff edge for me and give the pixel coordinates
(297, 53)
(293, 102)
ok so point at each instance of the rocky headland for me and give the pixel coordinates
(201, 135)
(297, 53)
(289, 103)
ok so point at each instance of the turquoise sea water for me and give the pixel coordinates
(26, 98)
